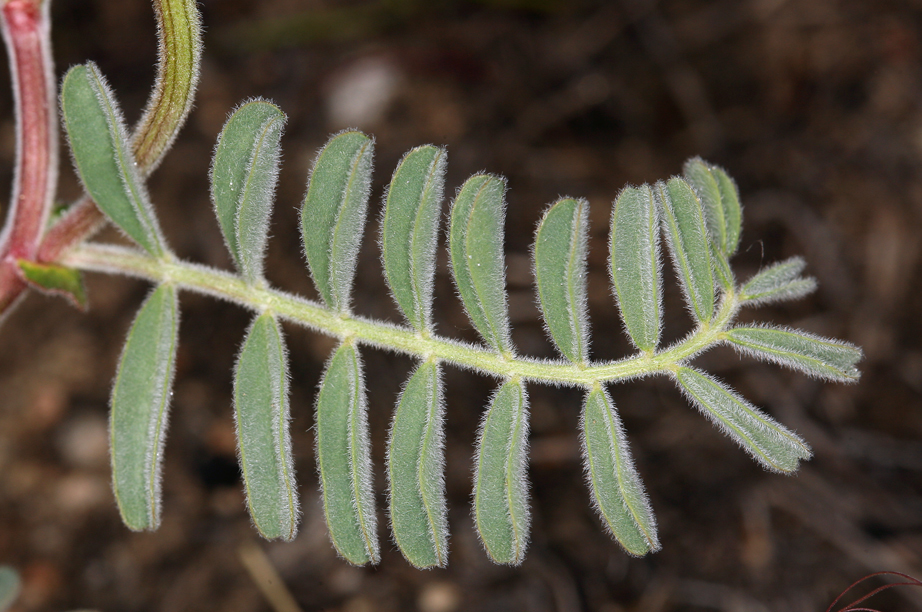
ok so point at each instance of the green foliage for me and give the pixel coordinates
(500, 484)
(699, 214)
(56, 280)
(415, 470)
(243, 177)
(769, 443)
(333, 214)
(476, 247)
(261, 414)
(140, 403)
(103, 158)
(560, 274)
(635, 262)
(343, 458)
(409, 231)
(617, 491)
(688, 242)
(819, 357)
(781, 281)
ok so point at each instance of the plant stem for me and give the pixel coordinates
(224, 285)
(26, 35)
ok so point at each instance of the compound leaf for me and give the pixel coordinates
(343, 458)
(771, 444)
(500, 481)
(415, 470)
(814, 355)
(781, 281)
(263, 440)
(103, 158)
(617, 491)
(688, 243)
(560, 274)
(635, 265)
(333, 214)
(243, 177)
(409, 231)
(476, 249)
(139, 408)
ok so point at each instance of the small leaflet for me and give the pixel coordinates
(778, 282)
(814, 355)
(774, 446)
(333, 214)
(561, 245)
(699, 176)
(106, 165)
(687, 237)
(733, 211)
(634, 258)
(56, 280)
(263, 440)
(243, 175)
(617, 491)
(501, 510)
(416, 470)
(343, 446)
(476, 249)
(140, 407)
(409, 231)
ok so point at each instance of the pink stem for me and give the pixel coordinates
(26, 34)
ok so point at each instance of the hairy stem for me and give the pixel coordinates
(224, 285)
(26, 34)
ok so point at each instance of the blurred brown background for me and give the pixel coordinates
(814, 106)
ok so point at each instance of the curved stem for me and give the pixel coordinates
(224, 285)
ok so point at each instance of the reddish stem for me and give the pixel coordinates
(80, 221)
(26, 34)
(25, 30)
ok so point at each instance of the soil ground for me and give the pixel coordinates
(814, 106)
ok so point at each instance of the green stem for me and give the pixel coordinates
(224, 285)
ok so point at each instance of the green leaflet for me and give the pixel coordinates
(106, 165)
(500, 478)
(243, 177)
(635, 265)
(699, 176)
(409, 231)
(263, 441)
(733, 211)
(617, 491)
(415, 470)
(139, 408)
(333, 214)
(771, 444)
(56, 280)
(688, 243)
(560, 274)
(476, 249)
(343, 458)
(781, 281)
(813, 355)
